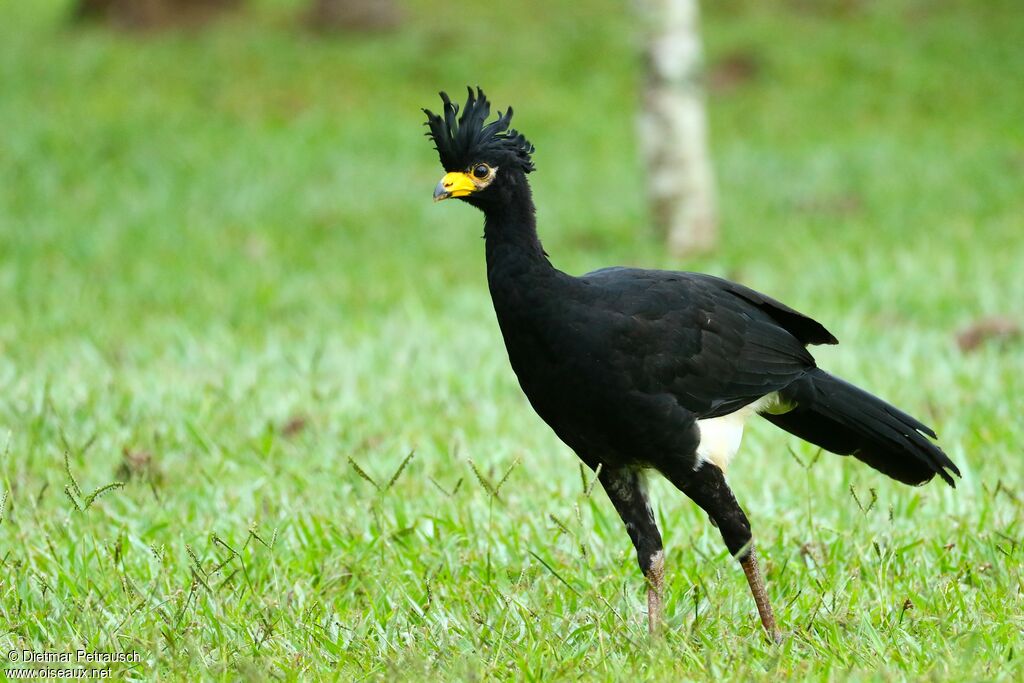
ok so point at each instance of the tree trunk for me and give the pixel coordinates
(673, 128)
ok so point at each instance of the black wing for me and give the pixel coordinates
(713, 344)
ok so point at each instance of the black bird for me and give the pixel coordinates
(640, 370)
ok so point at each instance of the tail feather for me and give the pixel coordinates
(844, 419)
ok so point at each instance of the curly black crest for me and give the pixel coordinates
(466, 140)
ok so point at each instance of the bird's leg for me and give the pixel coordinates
(655, 575)
(654, 572)
(756, 581)
(625, 488)
(707, 487)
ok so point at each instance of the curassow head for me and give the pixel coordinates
(480, 158)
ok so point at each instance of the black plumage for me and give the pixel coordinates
(632, 367)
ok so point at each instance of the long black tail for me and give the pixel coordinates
(846, 420)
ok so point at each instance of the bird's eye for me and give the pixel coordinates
(481, 171)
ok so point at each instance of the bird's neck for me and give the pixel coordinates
(510, 233)
(519, 275)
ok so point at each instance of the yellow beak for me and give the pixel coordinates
(454, 185)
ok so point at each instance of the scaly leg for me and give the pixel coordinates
(756, 581)
(655, 590)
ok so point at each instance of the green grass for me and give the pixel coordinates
(224, 284)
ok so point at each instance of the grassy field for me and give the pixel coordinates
(223, 285)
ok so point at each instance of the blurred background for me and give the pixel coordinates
(223, 280)
(240, 165)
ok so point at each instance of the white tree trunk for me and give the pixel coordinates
(673, 128)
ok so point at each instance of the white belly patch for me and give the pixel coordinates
(720, 436)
